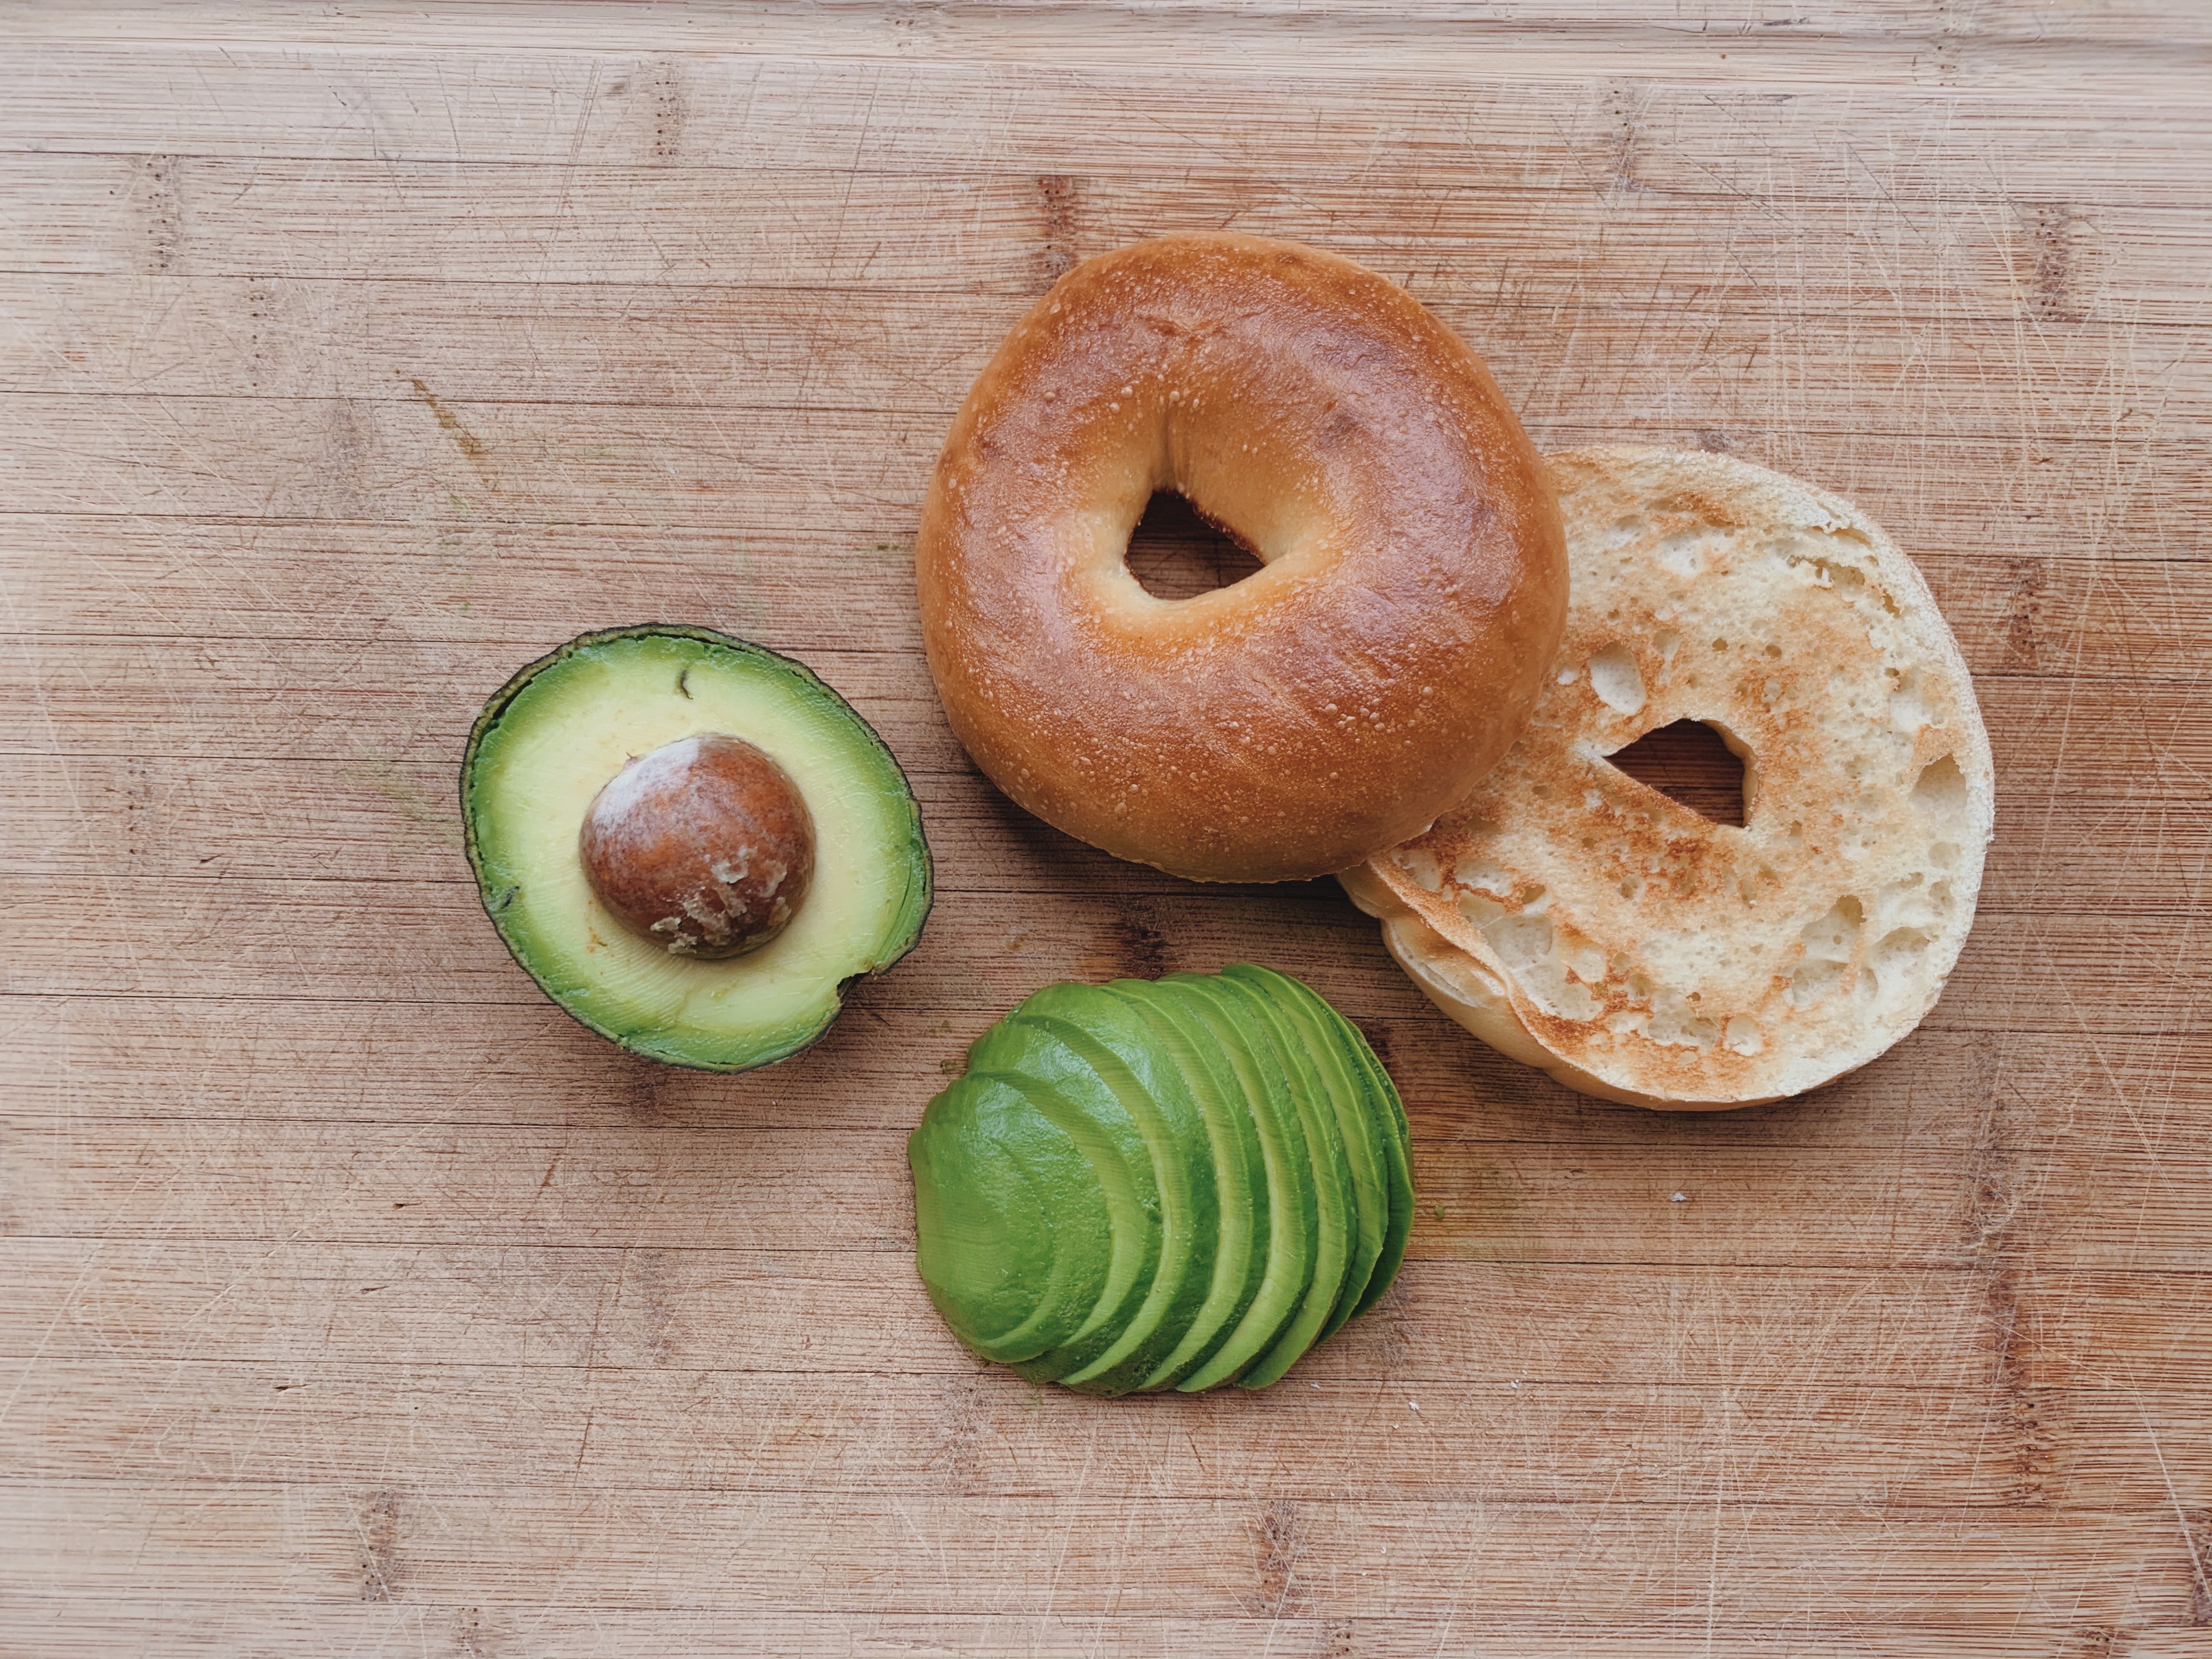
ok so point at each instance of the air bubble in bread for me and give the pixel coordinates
(1579, 921)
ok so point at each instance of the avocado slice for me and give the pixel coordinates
(1062, 1086)
(1395, 1138)
(1240, 1258)
(1345, 1089)
(1337, 1224)
(1114, 1042)
(564, 727)
(1292, 1203)
(1014, 1233)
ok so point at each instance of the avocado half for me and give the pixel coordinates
(553, 736)
(1162, 1184)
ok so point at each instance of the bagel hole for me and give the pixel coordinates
(1175, 554)
(1691, 764)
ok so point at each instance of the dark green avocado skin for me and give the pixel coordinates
(916, 905)
(1235, 1111)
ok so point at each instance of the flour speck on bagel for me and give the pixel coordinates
(1331, 704)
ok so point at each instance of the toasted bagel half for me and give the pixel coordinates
(1580, 921)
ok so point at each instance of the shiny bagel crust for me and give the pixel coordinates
(1328, 706)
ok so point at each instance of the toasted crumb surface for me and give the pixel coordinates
(1585, 923)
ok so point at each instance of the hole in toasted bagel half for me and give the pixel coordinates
(1175, 554)
(1693, 764)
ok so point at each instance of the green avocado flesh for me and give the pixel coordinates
(554, 734)
(1151, 1185)
(1028, 1245)
(1336, 1237)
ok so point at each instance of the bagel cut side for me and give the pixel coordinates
(1578, 921)
(1413, 579)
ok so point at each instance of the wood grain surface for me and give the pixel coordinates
(354, 1302)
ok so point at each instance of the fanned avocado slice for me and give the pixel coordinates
(1345, 1091)
(1014, 1243)
(1116, 1043)
(551, 740)
(1293, 1215)
(1240, 1259)
(1336, 1231)
(1063, 1086)
(1395, 1138)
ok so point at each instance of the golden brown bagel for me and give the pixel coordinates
(1332, 703)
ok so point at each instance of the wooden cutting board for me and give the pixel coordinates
(352, 1301)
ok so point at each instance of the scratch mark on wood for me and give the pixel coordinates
(1993, 1204)
(464, 440)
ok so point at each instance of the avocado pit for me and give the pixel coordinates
(704, 847)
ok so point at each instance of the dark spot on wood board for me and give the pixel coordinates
(671, 110)
(260, 302)
(1130, 946)
(1275, 1549)
(644, 1289)
(1626, 108)
(1992, 1202)
(1490, 1219)
(164, 211)
(376, 1521)
(2056, 235)
(135, 787)
(1056, 195)
(344, 479)
(1141, 949)
(1992, 1198)
(470, 1637)
(1393, 1337)
(641, 1090)
(2023, 615)
(2031, 1449)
